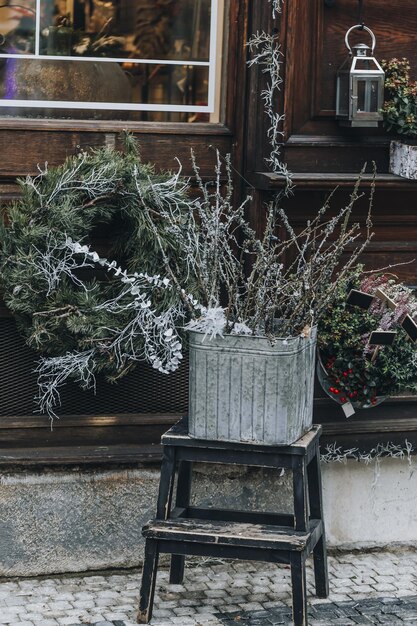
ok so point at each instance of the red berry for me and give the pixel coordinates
(345, 373)
(336, 390)
(343, 399)
(350, 371)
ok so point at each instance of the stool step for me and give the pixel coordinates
(233, 533)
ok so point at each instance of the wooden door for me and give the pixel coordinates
(323, 155)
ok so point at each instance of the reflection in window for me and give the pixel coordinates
(18, 27)
(134, 59)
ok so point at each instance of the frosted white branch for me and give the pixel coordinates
(337, 454)
(276, 7)
(54, 372)
(161, 345)
(57, 261)
(267, 55)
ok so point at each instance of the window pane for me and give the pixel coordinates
(125, 85)
(124, 56)
(141, 29)
(18, 27)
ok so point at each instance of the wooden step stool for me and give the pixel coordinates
(250, 535)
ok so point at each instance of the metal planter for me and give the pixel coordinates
(245, 389)
(403, 159)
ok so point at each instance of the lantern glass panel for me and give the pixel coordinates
(374, 96)
(343, 96)
(361, 96)
(363, 65)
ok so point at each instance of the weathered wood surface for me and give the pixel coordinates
(178, 436)
(106, 430)
(84, 421)
(147, 591)
(233, 534)
(70, 455)
(262, 537)
(329, 180)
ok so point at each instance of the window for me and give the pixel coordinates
(125, 59)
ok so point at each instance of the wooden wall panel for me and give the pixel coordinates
(394, 219)
(313, 47)
(394, 25)
(28, 147)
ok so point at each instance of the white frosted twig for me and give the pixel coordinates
(206, 234)
(212, 322)
(161, 345)
(267, 55)
(101, 180)
(56, 261)
(54, 372)
(276, 7)
(333, 453)
(169, 194)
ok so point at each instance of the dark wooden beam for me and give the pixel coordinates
(81, 455)
(330, 180)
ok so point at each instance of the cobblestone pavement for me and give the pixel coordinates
(373, 588)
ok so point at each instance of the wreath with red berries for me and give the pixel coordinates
(367, 341)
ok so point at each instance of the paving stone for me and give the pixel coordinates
(183, 610)
(83, 604)
(215, 593)
(378, 588)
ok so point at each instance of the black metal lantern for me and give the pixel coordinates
(360, 85)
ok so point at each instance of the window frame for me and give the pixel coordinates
(213, 65)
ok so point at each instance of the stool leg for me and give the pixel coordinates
(182, 499)
(299, 593)
(166, 483)
(147, 589)
(321, 576)
(316, 511)
(176, 571)
(299, 479)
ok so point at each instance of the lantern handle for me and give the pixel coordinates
(360, 27)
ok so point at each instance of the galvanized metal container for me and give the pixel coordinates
(403, 158)
(245, 389)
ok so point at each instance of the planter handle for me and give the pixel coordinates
(360, 27)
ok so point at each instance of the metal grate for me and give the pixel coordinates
(143, 391)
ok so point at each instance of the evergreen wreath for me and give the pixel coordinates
(84, 313)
